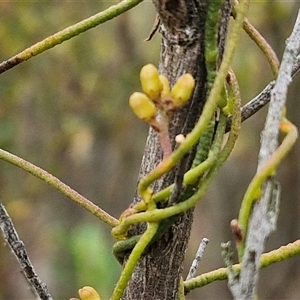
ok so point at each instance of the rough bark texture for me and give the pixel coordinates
(182, 28)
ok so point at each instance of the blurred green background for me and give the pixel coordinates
(66, 111)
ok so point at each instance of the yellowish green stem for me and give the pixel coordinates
(267, 259)
(58, 185)
(214, 161)
(261, 43)
(160, 214)
(68, 33)
(181, 295)
(156, 215)
(253, 192)
(133, 259)
(208, 110)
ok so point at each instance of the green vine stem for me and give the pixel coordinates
(157, 215)
(208, 110)
(133, 214)
(263, 45)
(201, 158)
(133, 259)
(213, 158)
(260, 42)
(265, 211)
(254, 189)
(236, 116)
(211, 41)
(267, 259)
(58, 185)
(68, 33)
(181, 295)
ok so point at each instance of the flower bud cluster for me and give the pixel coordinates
(158, 98)
(88, 293)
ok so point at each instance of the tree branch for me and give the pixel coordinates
(263, 98)
(262, 222)
(182, 51)
(18, 248)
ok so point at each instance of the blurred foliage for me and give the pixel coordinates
(66, 110)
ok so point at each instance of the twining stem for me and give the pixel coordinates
(181, 295)
(208, 110)
(133, 259)
(68, 33)
(58, 185)
(203, 160)
(211, 41)
(263, 45)
(254, 188)
(214, 161)
(260, 42)
(160, 214)
(157, 215)
(275, 256)
(194, 173)
(236, 111)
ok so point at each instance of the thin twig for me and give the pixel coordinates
(18, 248)
(195, 263)
(260, 42)
(68, 33)
(263, 45)
(283, 253)
(263, 98)
(154, 28)
(260, 225)
(59, 185)
(265, 172)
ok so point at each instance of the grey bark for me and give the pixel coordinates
(18, 249)
(157, 274)
(264, 216)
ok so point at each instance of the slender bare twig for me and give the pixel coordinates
(263, 98)
(18, 248)
(199, 254)
(261, 223)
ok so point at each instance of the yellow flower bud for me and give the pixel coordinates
(88, 293)
(165, 93)
(142, 106)
(183, 89)
(151, 84)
